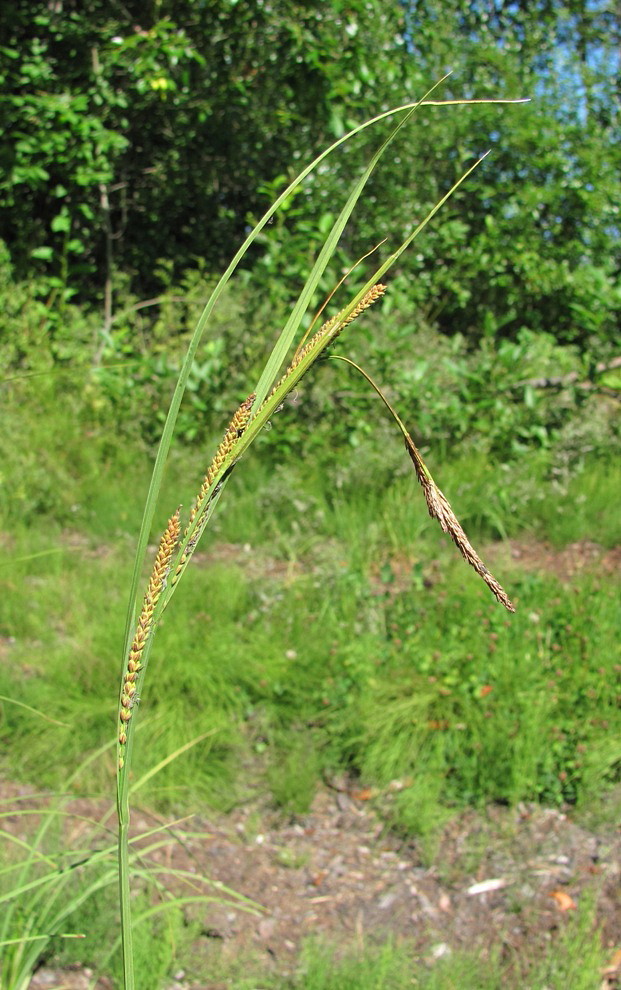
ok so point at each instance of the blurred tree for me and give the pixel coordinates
(154, 125)
(140, 133)
(534, 240)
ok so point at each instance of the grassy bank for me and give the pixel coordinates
(327, 629)
(333, 624)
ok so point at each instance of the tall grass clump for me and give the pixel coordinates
(181, 536)
(58, 887)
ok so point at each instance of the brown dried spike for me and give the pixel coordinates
(439, 508)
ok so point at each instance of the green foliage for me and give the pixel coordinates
(62, 150)
(55, 451)
(66, 461)
(491, 397)
(45, 881)
(577, 955)
(59, 891)
(580, 508)
(156, 127)
(441, 724)
(388, 967)
(293, 772)
(157, 134)
(528, 247)
(97, 920)
(139, 361)
(574, 958)
(156, 944)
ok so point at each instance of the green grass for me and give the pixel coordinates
(158, 943)
(372, 647)
(586, 508)
(573, 957)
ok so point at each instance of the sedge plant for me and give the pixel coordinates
(181, 537)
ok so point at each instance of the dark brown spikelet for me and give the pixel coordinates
(156, 584)
(440, 509)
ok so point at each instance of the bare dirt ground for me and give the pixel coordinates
(508, 878)
(573, 559)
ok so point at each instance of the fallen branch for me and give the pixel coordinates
(561, 381)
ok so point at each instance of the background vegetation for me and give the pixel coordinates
(138, 143)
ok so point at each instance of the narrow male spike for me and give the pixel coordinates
(167, 546)
(234, 431)
(374, 293)
(331, 328)
(440, 509)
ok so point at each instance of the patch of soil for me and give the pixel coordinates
(532, 555)
(566, 562)
(506, 879)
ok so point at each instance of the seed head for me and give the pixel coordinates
(331, 328)
(439, 508)
(235, 430)
(161, 566)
